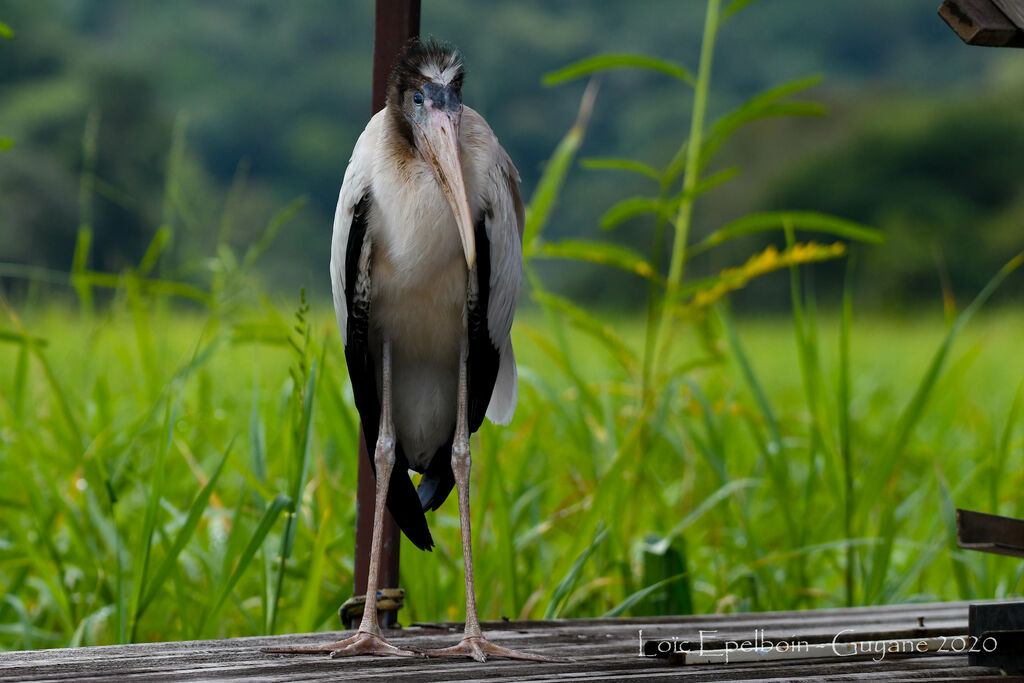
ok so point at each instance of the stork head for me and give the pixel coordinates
(425, 96)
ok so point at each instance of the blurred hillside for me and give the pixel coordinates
(923, 137)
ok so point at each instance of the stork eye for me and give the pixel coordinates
(417, 99)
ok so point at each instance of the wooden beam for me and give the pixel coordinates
(395, 23)
(990, 533)
(1013, 9)
(980, 22)
(1000, 625)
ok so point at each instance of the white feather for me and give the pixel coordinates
(499, 191)
(442, 73)
(506, 388)
(353, 187)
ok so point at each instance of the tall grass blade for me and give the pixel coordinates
(161, 238)
(20, 381)
(631, 208)
(761, 106)
(799, 220)
(145, 544)
(663, 207)
(79, 264)
(915, 409)
(557, 168)
(279, 220)
(641, 594)
(601, 253)
(280, 503)
(257, 440)
(569, 581)
(590, 65)
(1002, 450)
(734, 7)
(302, 450)
(722, 493)
(910, 417)
(195, 514)
(956, 556)
(173, 170)
(714, 448)
(845, 448)
(628, 165)
(310, 605)
(750, 377)
(775, 462)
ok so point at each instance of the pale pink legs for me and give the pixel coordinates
(473, 643)
(369, 640)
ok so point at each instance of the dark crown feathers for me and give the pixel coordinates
(408, 71)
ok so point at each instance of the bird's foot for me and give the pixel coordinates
(479, 648)
(362, 643)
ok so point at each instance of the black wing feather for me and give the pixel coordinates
(402, 501)
(484, 356)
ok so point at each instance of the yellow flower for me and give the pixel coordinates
(767, 261)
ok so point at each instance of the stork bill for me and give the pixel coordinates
(436, 130)
(426, 265)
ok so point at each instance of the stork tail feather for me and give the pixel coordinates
(404, 505)
(438, 480)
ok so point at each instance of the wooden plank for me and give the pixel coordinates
(1013, 9)
(990, 533)
(884, 613)
(395, 23)
(980, 22)
(945, 666)
(1002, 624)
(602, 649)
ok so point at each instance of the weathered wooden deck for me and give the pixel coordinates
(601, 649)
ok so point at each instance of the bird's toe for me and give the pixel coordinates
(480, 649)
(362, 643)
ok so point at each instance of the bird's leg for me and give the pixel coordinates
(369, 640)
(473, 643)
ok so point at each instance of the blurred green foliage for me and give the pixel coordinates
(945, 182)
(269, 97)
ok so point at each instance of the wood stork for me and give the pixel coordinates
(426, 264)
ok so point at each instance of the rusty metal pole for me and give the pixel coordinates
(395, 22)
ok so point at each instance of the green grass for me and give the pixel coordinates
(111, 426)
